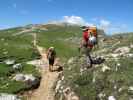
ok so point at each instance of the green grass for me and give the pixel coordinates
(56, 37)
(30, 69)
(8, 85)
(21, 49)
(105, 82)
(4, 70)
(81, 84)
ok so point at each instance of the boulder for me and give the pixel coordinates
(101, 95)
(17, 66)
(71, 60)
(9, 61)
(105, 68)
(122, 50)
(111, 98)
(19, 77)
(131, 46)
(58, 86)
(115, 55)
(29, 79)
(130, 88)
(130, 55)
(66, 91)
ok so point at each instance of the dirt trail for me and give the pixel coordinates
(45, 90)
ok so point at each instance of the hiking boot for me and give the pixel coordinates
(51, 71)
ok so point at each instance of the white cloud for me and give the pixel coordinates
(108, 26)
(75, 20)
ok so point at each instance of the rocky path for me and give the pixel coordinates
(45, 90)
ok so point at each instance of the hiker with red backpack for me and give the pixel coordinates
(88, 42)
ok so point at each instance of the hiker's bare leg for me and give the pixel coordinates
(89, 59)
(50, 68)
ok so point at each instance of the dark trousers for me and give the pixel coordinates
(51, 62)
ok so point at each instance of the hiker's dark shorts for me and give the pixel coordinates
(85, 50)
(51, 62)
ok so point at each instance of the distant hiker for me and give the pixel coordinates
(88, 42)
(51, 54)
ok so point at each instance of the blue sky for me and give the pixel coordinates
(111, 15)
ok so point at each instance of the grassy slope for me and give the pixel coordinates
(56, 36)
(109, 82)
(16, 47)
(20, 48)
